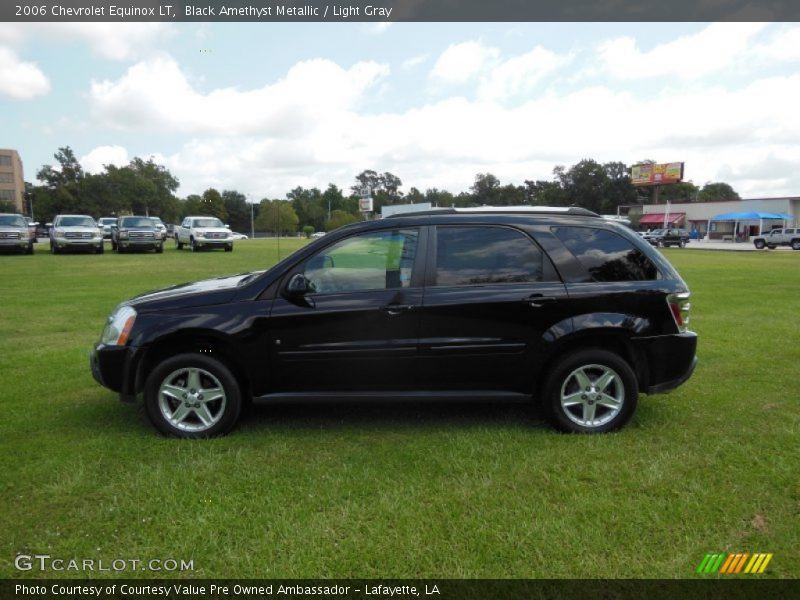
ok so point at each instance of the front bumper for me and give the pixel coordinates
(213, 243)
(671, 360)
(10, 243)
(94, 242)
(113, 367)
(141, 244)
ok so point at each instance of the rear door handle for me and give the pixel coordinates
(396, 309)
(539, 300)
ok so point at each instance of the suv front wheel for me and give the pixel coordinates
(192, 396)
(590, 391)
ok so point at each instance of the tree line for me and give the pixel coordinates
(144, 187)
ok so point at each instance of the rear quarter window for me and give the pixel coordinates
(606, 255)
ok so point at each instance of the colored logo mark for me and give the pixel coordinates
(731, 564)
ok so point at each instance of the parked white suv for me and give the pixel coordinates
(203, 232)
(75, 232)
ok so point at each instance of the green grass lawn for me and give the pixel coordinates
(443, 491)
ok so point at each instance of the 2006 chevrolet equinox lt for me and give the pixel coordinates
(553, 305)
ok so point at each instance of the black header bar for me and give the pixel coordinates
(376, 11)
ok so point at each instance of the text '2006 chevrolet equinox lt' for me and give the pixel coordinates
(559, 306)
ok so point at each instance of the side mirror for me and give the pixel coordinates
(298, 285)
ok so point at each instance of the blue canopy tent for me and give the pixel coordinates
(738, 217)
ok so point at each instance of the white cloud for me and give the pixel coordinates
(20, 80)
(113, 41)
(156, 95)
(784, 46)
(414, 61)
(520, 74)
(461, 62)
(99, 157)
(716, 47)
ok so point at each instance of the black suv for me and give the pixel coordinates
(555, 305)
(664, 238)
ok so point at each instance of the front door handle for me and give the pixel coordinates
(539, 300)
(396, 309)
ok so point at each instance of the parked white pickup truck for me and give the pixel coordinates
(203, 232)
(779, 237)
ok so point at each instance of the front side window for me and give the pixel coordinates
(485, 255)
(372, 261)
(606, 255)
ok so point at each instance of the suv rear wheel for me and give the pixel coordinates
(590, 391)
(192, 396)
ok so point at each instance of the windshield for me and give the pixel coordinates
(107, 221)
(76, 222)
(157, 221)
(207, 223)
(657, 231)
(12, 221)
(136, 222)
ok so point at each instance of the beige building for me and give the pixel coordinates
(12, 181)
(701, 217)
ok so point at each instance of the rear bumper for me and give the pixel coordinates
(671, 360)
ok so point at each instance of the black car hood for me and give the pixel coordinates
(196, 293)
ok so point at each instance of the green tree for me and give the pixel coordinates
(485, 189)
(717, 191)
(277, 217)
(438, 198)
(340, 218)
(70, 170)
(238, 210)
(308, 205)
(212, 204)
(308, 230)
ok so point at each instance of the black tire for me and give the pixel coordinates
(795, 244)
(178, 245)
(229, 248)
(100, 249)
(53, 249)
(592, 365)
(224, 412)
(192, 246)
(771, 246)
(682, 244)
(660, 243)
(29, 250)
(759, 244)
(160, 249)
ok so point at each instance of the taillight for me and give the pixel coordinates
(680, 306)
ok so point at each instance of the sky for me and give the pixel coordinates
(262, 108)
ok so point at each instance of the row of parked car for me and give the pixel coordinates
(127, 233)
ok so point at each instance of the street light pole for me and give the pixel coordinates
(252, 222)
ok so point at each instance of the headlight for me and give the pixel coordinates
(119, 326)
(200, 233)
(123, 234)
(59, 232)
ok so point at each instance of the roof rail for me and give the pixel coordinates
(559, 210)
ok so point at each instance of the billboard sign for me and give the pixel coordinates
(657, 174)
(365, 204)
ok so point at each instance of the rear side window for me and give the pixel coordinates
(606, 255)
(484, 255)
